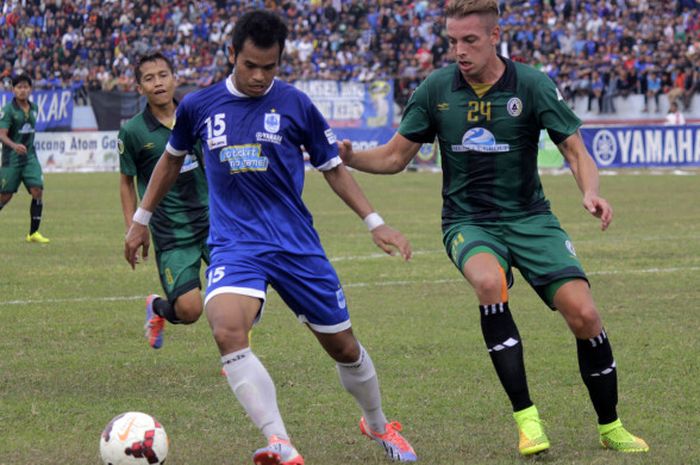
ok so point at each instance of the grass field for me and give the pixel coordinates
(72, 353)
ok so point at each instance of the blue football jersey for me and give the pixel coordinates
(255, 165)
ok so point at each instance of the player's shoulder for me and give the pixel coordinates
(442, 77)
(7, 108)
(205, 96)
(529, 74)
(134, 123)
(289, 92)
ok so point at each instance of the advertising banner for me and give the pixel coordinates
(77, 151)
(352, 104)
(55, 108)
(644, 146)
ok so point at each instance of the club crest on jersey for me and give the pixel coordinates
(341, 298)
(480, 140)
(514, 107)
(272, 122)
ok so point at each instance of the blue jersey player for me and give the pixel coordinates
(252, 127)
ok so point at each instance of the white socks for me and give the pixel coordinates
(254, 389)
(360, 380)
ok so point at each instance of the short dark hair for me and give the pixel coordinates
(262, 27)
(21, 78)
(149, 58)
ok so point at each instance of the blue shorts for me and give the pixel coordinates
(308, 284)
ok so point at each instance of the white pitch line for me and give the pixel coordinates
(351, 285)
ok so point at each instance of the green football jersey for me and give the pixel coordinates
(182, 217)
(489, 145)
(20, 129)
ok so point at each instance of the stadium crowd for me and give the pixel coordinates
(594, 49)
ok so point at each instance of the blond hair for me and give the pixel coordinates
(462, 8)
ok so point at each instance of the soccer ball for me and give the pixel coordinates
(133, 438)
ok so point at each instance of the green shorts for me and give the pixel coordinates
(536, 245)
(179, 268)
(13, 173)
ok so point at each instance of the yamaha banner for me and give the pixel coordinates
(643, 146)
(55, 108)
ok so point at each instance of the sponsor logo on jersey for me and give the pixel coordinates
(480, 140)
(443, 106)
(217, 142)
(242, 158)
(330, 136)
(559, 96)
(26, 129)
(149, 146)
(2, 114)
(120, 146)
(272, 122)
(570, 247)
(189, 163)
(604, 147)
(514, 107)
(267, 137)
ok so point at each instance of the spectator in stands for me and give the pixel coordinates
(610, 91)
(628, 82)
(692, 85)
(653, 89)
(678, 88)
(596, 90)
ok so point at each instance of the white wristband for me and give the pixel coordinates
(373, 221)
(142, 216)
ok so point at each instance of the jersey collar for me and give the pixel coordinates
(16, 105)
(232, 87)
(152, 122)
(507, 82)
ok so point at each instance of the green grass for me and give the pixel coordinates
(72, 353)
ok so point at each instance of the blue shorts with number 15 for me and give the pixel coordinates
(308, 284)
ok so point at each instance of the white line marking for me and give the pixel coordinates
(353, 285)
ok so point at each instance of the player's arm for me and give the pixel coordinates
(386, 238)
(388, 158)
(162, 179)
(5, 139)
(127, 194)
(585, 172)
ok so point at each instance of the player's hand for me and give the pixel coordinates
(600, 208)
(21, 149)
(136, 237)
(389, 240)
(345, 151)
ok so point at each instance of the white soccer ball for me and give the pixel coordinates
(133, 438)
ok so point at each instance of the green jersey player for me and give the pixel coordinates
(487, 113)
(19, 161)
(180, 224)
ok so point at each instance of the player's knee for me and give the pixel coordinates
(189, 314)
(230, 338)
(343, 350)
(489, 287)
(585, 321)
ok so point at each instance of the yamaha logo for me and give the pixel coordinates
(604, 147)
